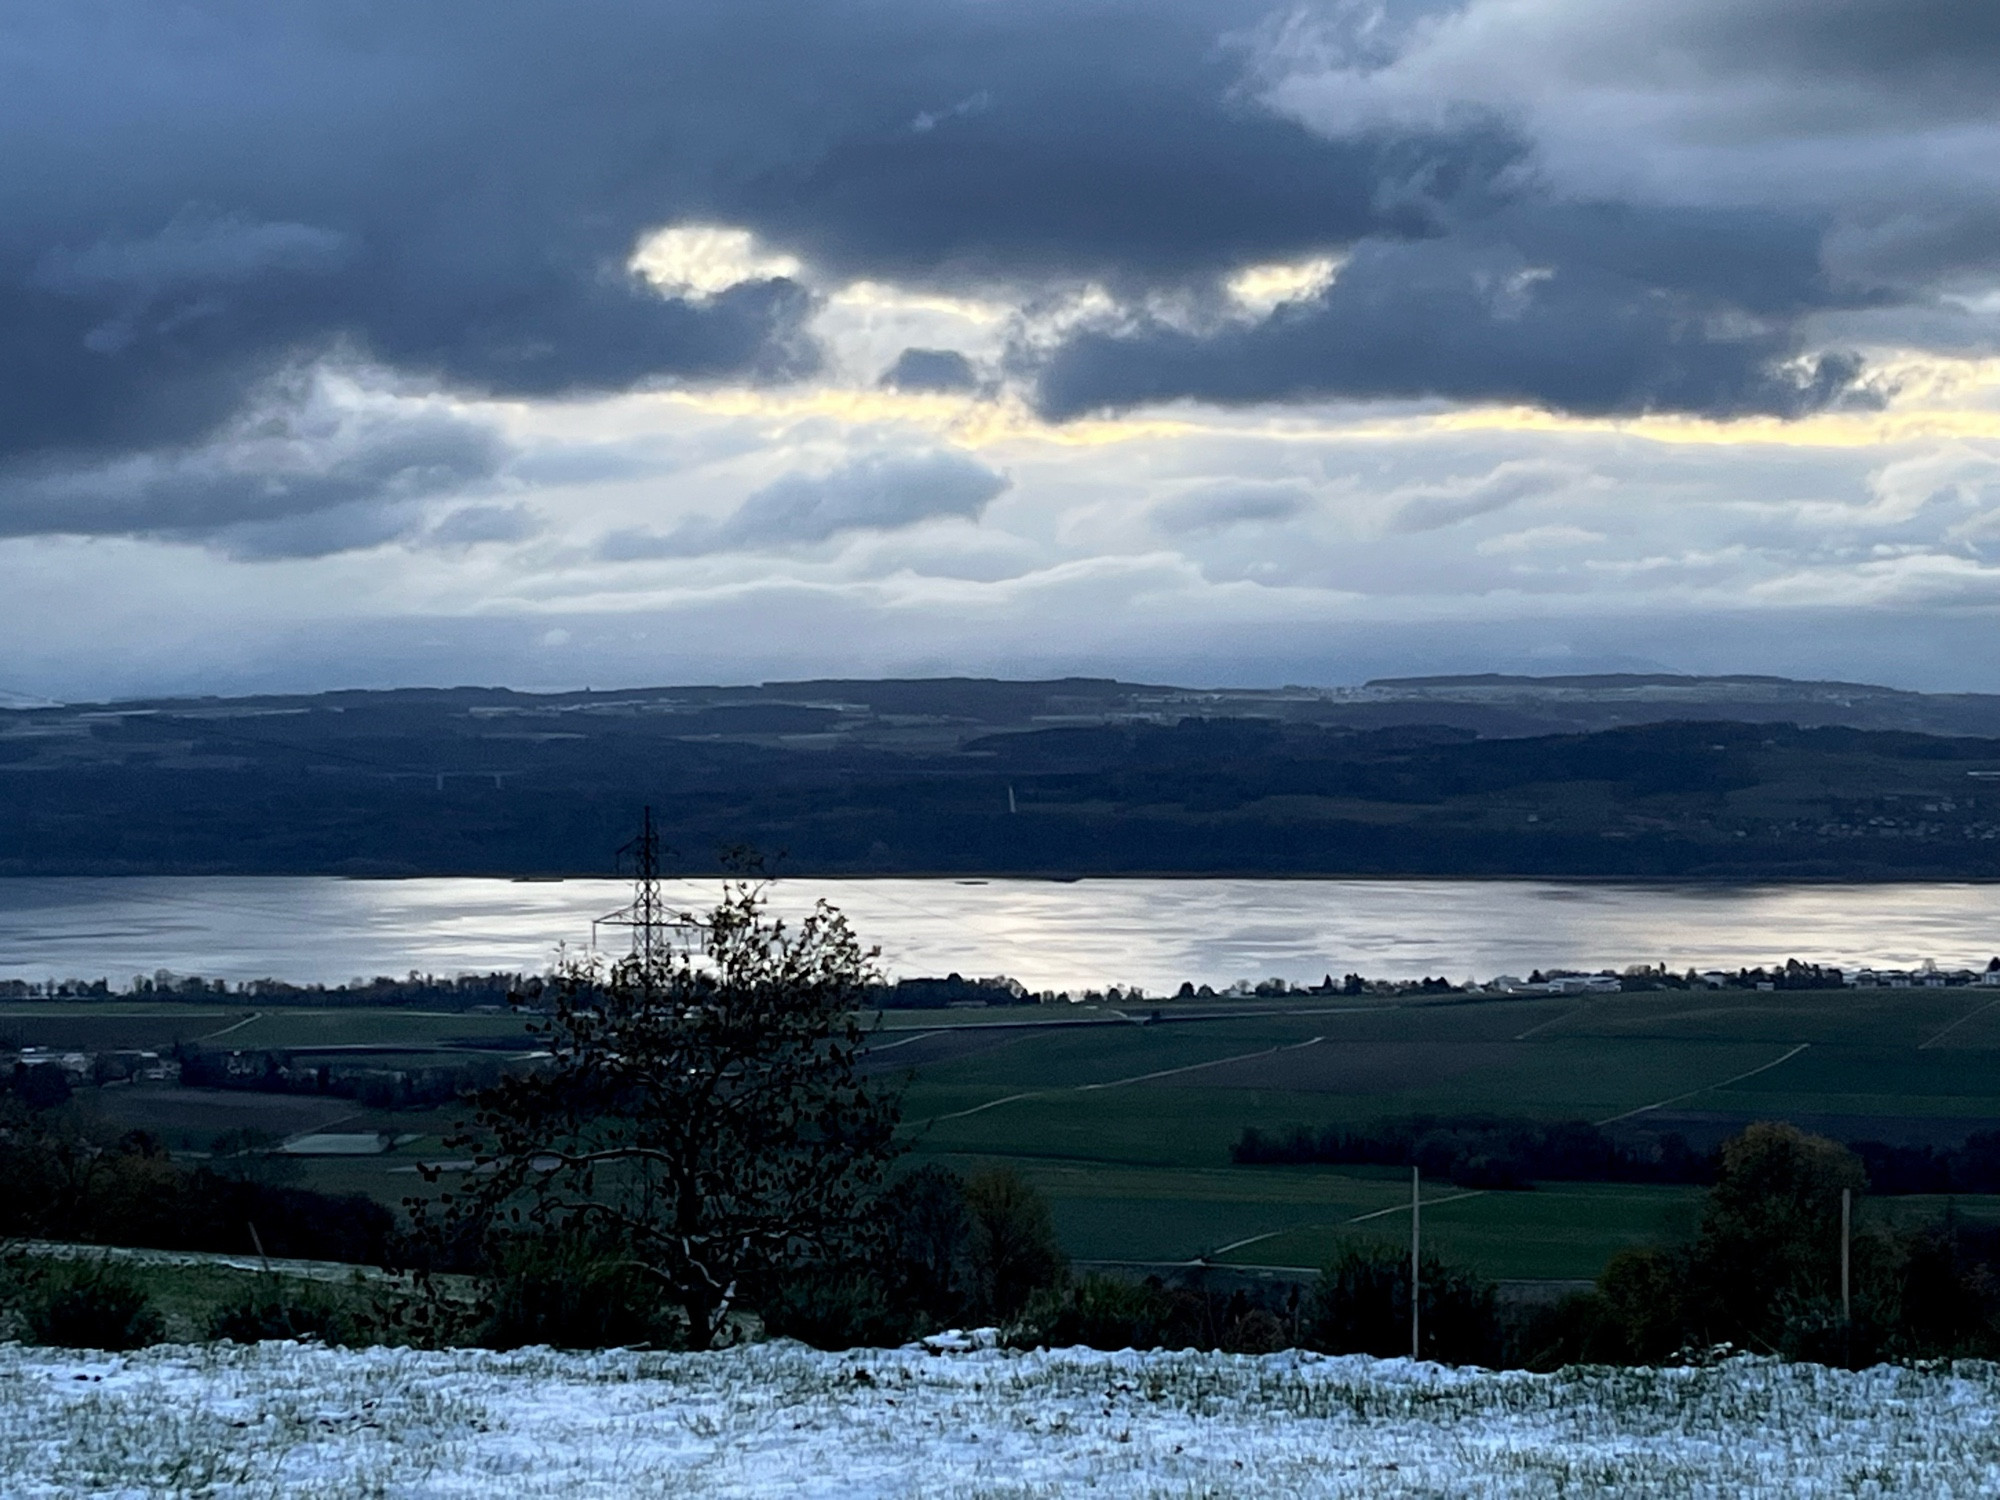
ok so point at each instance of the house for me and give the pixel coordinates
(1992, 974)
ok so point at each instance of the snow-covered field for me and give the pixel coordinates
(778, 1419)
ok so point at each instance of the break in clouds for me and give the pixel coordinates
(1193, 338)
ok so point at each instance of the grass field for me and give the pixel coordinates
(1127, 1127)
(1128, 1130)
(280, 1421)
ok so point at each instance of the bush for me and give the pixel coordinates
(271, 1310)
(571, 1292)
(841, 1308)
(927, 1247)
(1108, 1312)
(90, 1305)
(1764, 1266)
(1361, 1305)
(1103, 1312)
(1014, 1252)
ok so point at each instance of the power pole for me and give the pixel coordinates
(1416, 1208)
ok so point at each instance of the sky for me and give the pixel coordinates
(361, 343)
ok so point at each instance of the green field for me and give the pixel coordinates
(1137, 1167)
(1127, 1127)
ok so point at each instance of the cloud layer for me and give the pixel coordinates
(1149, 324)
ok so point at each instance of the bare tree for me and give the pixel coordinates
(700, 1112)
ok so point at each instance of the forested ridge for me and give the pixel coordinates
(486, 782)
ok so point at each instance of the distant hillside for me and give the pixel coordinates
(1613, 699)
(1720, 777)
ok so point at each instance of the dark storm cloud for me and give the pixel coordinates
(1465, 322)
(930, 370)
(202, 196)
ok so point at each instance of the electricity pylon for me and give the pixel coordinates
(647, 913)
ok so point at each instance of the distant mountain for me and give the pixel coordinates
(1726, 777)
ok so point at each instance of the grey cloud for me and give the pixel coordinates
(352, 527)
(1862, 114)
(205, 194)
(470, 525)
(296, 465)
(1214, 507)
(1428, 507)
(195, 247)
(931, 370)
(1936, 54)
(880, 492)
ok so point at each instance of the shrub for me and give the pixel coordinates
(927, 1250)
(269, 1309)
(841, 1308)
(1361, 1305)
(1101, 1312)
(571, 1292)
(1765, 1264)
(1014, 1252)
(90, 1305)
(1108, 1312)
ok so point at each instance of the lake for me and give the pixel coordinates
(1047, 934)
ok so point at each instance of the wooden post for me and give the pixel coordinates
(1416, 1208)
(1846, 1259)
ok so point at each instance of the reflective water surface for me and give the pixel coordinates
(1049, 935)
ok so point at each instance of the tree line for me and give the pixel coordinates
(1511, 1152)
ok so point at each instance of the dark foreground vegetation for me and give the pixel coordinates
(936, 1250)
(1035, 778)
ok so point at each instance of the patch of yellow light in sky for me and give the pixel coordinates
(705, 260)
(880, 294)
(966, 419)
(976, 423)
(1264, 288)
(1933, 399)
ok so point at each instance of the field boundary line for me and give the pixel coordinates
(1084, 1088)
(1113, 1083)
(1343, 1223)
(1707, 1087)
(960, 1114)
(1269, 1234)
(1403, 1208)
(1978, 1010)
(903, 1042)
(255, 1015)
(1568, 1015)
